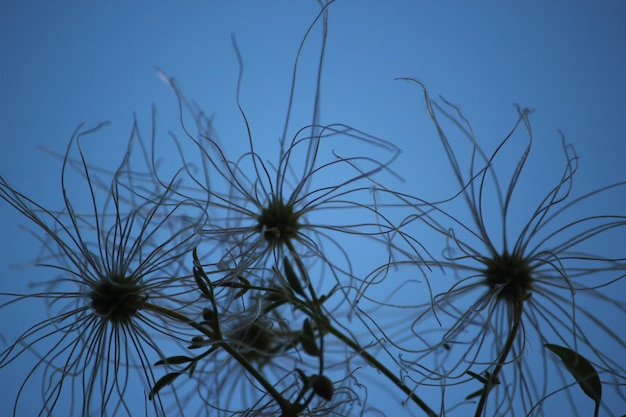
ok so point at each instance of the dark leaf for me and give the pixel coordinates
(478, 377)
(307, 338)
(485, 380)
(475, 394)
(292, 279)
(200, 276)
(196, 261)
(245, 286)
(581, 369)
(305, 379)
(208, 317)
(165, 380)
(174, 360)
(200, 281)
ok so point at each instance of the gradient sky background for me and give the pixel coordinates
(63, 63)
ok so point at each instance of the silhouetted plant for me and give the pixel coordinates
(112, 265)
(516, 291)
(266, 210)
(238, 286)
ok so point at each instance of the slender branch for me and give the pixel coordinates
(284, 405)
(382, 368)
(517, 320)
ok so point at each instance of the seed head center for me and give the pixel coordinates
(511, 275)
(117, 299)
(278, 222)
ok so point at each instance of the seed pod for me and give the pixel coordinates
(323, 387)
(196, 342)
(207, 316)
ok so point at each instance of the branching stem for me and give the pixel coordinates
(492, 377)
(285, 406)
(382, 368)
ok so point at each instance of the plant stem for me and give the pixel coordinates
(382, 368)
(517, 319)
(284, 405)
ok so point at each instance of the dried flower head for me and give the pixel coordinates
(261, 209)
(516, 288)
(119, 267)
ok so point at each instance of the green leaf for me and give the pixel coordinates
(581, 369)
(200, 276)
(292, 278)
(305, 379)
(203, 288)
(487, 380)
(307, 339)
(476, 376)
(196, 261)
(245, 286)
(174, 360)
(192, 369)
(165, 380)
(475, 394)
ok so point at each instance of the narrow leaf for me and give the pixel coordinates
(197, 274)
(245, 286)
(196, 261)
(305, 379)
(165, 380)
(192, 369)
(478, 377)
(307, 338)
(292, 278)
(487, 380)
(581, 369)
(200, 276)
(475, 394)
(174, 360)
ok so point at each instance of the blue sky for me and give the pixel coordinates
(64, 63)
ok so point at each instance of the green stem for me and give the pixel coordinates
(355, 346)
(382, 368)
(317, 309)
(517, 319)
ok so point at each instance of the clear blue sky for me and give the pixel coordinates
(63, 63)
